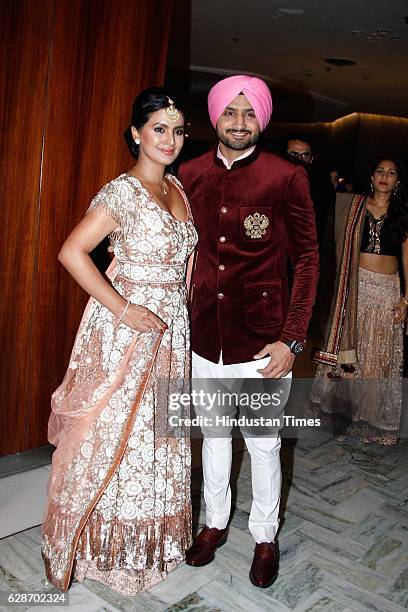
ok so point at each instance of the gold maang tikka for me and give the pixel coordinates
(171, 111)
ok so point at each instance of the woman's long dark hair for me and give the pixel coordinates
(397, 228)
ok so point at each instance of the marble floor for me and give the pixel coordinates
(343, 540)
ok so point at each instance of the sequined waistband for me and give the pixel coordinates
(152, 274)
(378, 278)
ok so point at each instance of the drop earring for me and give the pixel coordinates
(137, 141)
(372, 185)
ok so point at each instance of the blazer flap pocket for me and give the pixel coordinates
(263, 303)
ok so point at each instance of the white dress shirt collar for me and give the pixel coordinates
(227, 163)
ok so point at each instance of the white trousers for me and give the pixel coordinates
(217, 458)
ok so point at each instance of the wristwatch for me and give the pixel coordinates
(295, 346)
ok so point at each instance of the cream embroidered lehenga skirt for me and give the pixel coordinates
(366, 403)
(119, 493)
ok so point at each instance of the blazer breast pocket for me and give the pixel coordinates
(255, 223)
(263, 303)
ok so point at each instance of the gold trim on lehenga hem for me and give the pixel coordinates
(132, 557)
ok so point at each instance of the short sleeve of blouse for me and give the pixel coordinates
(113, 199)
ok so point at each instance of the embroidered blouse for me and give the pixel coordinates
(375, 238)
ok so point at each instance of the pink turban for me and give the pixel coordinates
(253, 88)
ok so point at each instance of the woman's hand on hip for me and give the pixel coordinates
(400, 311)
(142, 319)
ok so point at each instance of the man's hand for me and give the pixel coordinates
(281, 360)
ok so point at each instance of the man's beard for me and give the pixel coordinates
(237, 146)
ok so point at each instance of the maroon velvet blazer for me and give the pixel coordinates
(249, 220)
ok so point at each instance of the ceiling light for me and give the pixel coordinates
(291, 11)
(378, 34)
(339, 61)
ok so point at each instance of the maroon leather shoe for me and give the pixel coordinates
(205, 545)
(265, 564)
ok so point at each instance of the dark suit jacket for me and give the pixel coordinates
(249, 220)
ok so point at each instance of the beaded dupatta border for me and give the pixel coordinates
(341, 335)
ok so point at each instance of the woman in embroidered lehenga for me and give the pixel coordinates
(358, 384)
(119, 493)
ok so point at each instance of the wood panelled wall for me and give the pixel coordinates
(70, 70)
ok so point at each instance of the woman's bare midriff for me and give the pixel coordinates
(385, 264)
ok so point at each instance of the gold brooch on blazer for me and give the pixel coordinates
(256, 225)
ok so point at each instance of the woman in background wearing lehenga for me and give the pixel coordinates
(119, 493)
(358, 384)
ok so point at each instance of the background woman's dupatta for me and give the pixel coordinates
(340, 344)
(89, 448)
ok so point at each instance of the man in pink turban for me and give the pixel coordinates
(253, 211)
(255, 90)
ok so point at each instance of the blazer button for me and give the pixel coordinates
(222, 239)
(265, 294)
(221, 267)
(220, 296)
(224, 209)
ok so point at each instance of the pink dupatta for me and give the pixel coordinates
(76, 428)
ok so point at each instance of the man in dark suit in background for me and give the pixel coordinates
(323, 193)
(252, 210)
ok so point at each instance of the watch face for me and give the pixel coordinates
(298, 348)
